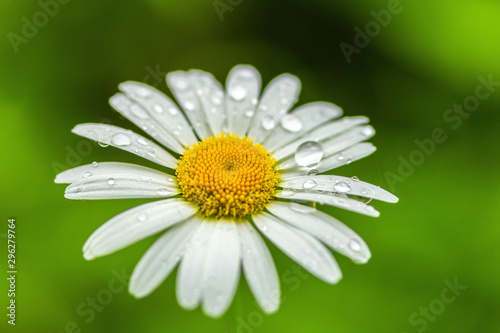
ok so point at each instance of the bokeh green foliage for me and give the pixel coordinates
(427, 59)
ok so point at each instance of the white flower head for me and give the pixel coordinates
(235, 161)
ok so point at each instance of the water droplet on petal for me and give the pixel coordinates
(335, 242)
(249, 113)
(268, 123)
(367, 131)
(245, 73)
(150, 152)
(142, 92)
(102, 144)
(363, 191)
(355, 178)
(354, 245)
(313, 172)
(216, 99)
(291, 123)
(309, 154)
(288, 192)
(121, 139)
(340, 157)
(329, 179)
(87, 174)
(111, 181)
(189, 105)
(173, 111)
(181, 84)
(95, 164)
(170, 179)
(163, 192)
(139, 111)
(158, 108)
(342, 187)
(142, 141)
(309, 183)
(238, 93)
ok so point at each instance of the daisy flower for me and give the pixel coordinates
(235, 164)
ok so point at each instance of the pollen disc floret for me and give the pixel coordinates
(227, 176)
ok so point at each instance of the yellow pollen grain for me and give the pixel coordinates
(227, 176)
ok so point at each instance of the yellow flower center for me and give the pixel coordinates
(227, 176)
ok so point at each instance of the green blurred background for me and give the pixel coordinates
(415, 68)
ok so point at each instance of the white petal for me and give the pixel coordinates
(137, 114)
(299, 122)
(222, 268)
(300, 246)
(128, 141)
(349, 186)
(211, 97)
(345, 157)
(135, 224)
(190, 277)
(328, 229)
(259, 268)
(278, 97)
(111, 180)
(330, 199)
(322, 133)
(347, 139)
(109, 168)
(162, 109)
(184, 89)
(242, 95)
(161, 258)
